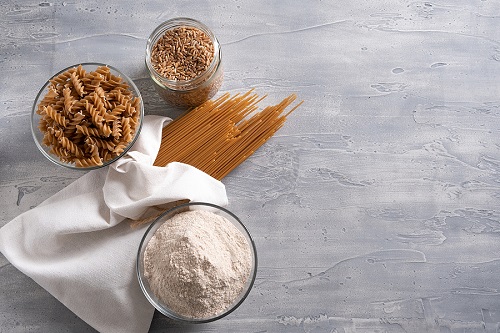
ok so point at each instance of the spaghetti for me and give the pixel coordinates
(220, 134)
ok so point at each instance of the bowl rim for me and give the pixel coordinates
(34, 126)
(249, 283)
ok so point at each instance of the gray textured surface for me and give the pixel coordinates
(375, 209)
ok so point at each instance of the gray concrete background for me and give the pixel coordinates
(375, 209)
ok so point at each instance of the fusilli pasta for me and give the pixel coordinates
(88, 117)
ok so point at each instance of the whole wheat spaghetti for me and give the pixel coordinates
(219, 135)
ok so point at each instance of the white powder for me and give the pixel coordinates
(197, 263)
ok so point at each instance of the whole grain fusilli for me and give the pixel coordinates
(88, 118)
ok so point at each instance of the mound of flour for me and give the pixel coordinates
(197, 263)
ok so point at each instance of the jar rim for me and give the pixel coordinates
(171, 24)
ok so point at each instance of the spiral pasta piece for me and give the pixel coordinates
(126, 129)
(54, 115)
(70, 146)
(68, 100)
(77, 84)
(93, 160)
(117, 128)
(104, 130)
(88, 131)
(62, 78)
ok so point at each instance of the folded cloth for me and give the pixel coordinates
(81, 248)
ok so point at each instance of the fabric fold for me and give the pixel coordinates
(79, 244)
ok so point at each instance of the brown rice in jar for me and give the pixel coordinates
(183, 58)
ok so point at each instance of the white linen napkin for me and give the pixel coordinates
(79, 246)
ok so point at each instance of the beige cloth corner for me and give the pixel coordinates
(81, 248)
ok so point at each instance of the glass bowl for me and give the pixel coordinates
(76, 135)
(143, 281)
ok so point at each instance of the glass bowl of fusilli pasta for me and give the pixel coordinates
(87, 116)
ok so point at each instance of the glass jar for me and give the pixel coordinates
(186, 92)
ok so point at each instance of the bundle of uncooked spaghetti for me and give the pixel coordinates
(219, 135)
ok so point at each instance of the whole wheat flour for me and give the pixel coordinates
(197, 263)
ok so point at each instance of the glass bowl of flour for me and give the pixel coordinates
(196, 262)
